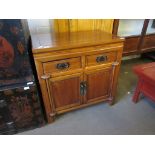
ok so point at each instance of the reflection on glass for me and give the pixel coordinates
(128, 27)
(151, 26)
(40, 25)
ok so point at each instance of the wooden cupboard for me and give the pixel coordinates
(76, 69)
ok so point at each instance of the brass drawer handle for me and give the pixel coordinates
(101, 59)
(63, 65)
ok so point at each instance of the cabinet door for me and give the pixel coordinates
(65, 91)
(99, 83)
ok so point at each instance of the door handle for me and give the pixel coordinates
(83, 88)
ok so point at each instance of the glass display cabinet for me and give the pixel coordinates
(148, 43)
(130, 27)
(139, 35)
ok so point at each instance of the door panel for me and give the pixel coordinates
(98, 84)
(66, 91)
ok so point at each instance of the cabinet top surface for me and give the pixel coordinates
(58, 41)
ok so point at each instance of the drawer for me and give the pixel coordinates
(62, 65)
(98, 59)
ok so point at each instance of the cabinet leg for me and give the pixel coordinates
(51, 118)
(137, 92)
(136, 96)
(111, 101)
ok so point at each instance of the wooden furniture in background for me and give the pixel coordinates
(146, 81)
(76, 69)
(139, 43)
(148, 37)
(73, 25)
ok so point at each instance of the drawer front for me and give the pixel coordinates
(62, 65)
(99, 59)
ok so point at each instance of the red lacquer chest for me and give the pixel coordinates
(146, 81)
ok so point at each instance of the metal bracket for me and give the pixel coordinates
(46, 76)
(52, 114)
(115, 63)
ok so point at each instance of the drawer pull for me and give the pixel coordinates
(101, 59)
(63, 65)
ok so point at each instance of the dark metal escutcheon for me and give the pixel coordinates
(63, 65)
(101, 59)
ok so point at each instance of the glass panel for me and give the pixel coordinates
(40, 25)
(128, 27)
(151, 26)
